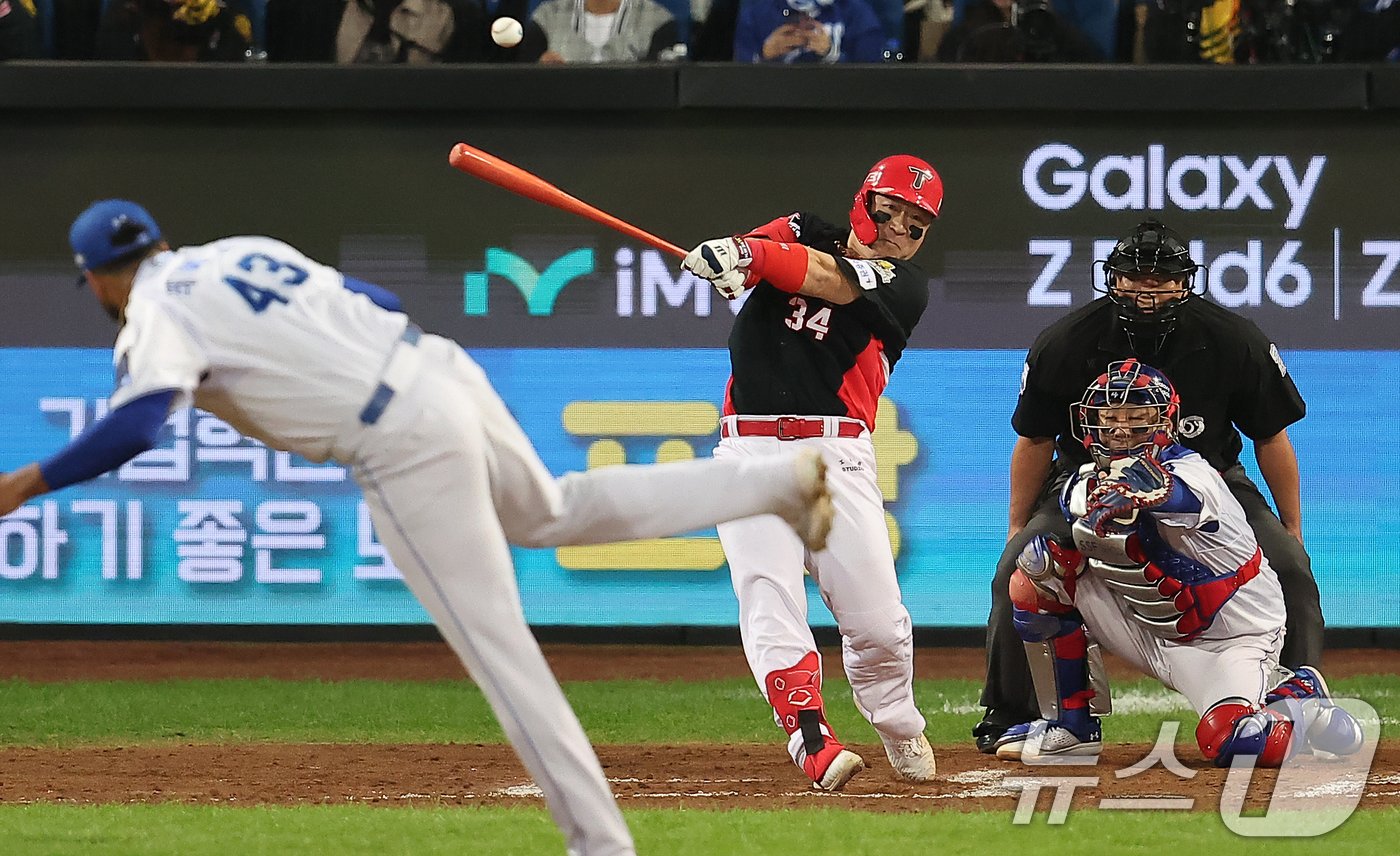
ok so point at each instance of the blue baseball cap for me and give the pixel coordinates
(110, 230)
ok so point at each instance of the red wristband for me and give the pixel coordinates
(776, 230)
(782, 264)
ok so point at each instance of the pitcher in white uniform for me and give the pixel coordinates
(307, 360)
(1164, 572)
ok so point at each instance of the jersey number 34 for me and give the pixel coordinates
(263, 278)
(818, 322)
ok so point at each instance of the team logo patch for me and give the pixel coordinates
(1025, 376)
(866, 277)
(1192, 426)
(1278, 360)
(870, 275)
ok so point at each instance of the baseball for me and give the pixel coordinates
(506, 32)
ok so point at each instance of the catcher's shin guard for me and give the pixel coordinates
(1056, 651)
(1235, 727)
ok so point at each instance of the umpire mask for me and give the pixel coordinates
(1148, 276)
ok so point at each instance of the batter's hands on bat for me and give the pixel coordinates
(718, 256)
(724, 262)
(732, 284)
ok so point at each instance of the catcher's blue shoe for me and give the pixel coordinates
(1033, 742)
(1326, 727)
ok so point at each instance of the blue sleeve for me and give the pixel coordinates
(1181, 499)
(748, 42)
(110, 442)
(865, 38)
(382, 297)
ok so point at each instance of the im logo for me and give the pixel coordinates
(539, 288)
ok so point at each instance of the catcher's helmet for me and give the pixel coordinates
(1127, 385)
(903, 177)
(1152, 250)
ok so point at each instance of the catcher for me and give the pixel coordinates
(1164, 571)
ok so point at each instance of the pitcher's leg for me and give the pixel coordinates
(437, 521)
(625, 503)
(622, 503)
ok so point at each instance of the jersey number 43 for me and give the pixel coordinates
(263, 279)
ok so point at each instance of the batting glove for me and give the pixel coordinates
(715, 258)
(732, 284)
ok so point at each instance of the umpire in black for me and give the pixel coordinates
(1231, 379)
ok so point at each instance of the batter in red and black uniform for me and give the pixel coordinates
(828, 313)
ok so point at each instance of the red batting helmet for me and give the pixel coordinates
(903, 177)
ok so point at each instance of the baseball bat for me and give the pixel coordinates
(488, 167)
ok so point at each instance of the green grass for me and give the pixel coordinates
(179, 830)
(229, 711)
(730, 711)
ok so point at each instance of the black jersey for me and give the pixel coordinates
(1229, 376)
(800, 355)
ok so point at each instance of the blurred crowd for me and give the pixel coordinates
(754, 31)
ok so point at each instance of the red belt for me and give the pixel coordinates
(790, 427)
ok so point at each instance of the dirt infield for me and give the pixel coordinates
(713, 777)
(702, 776)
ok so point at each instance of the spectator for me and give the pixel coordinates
(714, 32)
(174, 31)
(1373, 33)
(1011, 31)
(413, 32)
(808, 31)
(19, 30)
(75, 25)
(570, 31)
(1097, 20)
(1194, 31)
(1094, 20)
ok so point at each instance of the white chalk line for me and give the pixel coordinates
(985, 784)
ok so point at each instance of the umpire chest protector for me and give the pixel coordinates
(1230, 377)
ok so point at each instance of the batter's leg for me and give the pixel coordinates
(1304, 642)
(1008, 693)
(766, 569)
(766, 564)
(424, 479)
(856, 576)
(626, 503)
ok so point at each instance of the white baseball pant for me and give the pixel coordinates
(1238, 656)
(450, 479)
(855, 575)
